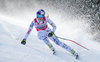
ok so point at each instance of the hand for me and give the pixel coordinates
(23, 41)
(50, 34)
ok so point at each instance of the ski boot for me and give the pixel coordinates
(52, 48)
(74, 53)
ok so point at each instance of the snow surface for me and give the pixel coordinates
(11, 50)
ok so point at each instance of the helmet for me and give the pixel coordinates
(40, 13)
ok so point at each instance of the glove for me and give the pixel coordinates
(50, 34)
(23, 41)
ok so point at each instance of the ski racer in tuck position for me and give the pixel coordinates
(45, 33)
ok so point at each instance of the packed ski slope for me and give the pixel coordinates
(11, 50)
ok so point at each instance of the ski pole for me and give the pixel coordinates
(73, 42)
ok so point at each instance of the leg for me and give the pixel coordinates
(58, 42)
(63, 45)
(46, 40)
(42, 36)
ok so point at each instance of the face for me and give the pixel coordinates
(40, 19)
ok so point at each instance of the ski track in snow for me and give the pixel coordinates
(12, 51)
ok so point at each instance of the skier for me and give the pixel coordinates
(45, 33)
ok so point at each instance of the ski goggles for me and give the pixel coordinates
(40, 16)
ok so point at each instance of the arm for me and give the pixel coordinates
(29, 30)
(52, 24)
(27, 34)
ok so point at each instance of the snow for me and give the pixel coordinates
(11, 50)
